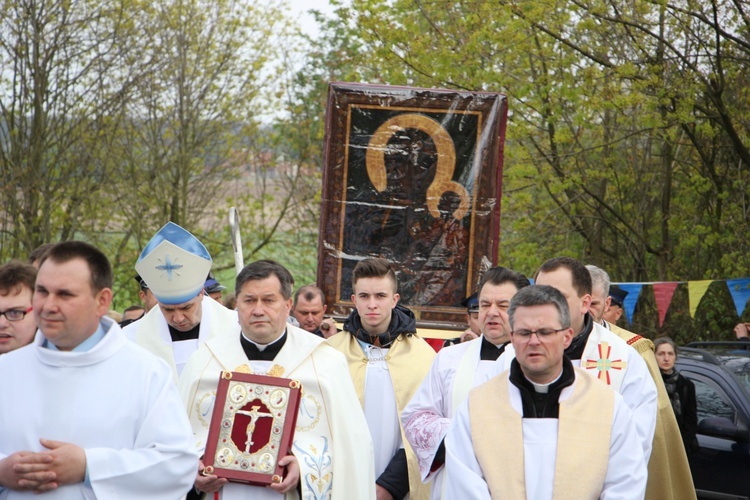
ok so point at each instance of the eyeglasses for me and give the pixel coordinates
(15, 314)
(542, 334)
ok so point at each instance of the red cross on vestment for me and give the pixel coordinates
(604, 364)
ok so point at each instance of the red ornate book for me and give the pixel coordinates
(252, 427)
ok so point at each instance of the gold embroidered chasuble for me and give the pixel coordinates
(332, 444)
(583, 438)
(669, 476)
(409, 359)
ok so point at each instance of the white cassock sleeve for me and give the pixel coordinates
(639, 392)
(463, 475)
(162, 461)
(425, 419)
(627, 471)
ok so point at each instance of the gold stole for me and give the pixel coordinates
(409, 359)
(583, 434)
(669, 476)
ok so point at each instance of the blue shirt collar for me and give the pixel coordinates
(86, 345)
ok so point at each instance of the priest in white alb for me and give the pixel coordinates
(669, 476)
(84, 413)
(598, 351)
(455, 370)
(332, 452)
(543, 429)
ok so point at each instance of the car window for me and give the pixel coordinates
(740, 369)
(712, 401)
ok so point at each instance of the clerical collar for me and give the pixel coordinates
(543, 388)
(538, 404)
(578, 344)
(262, 352)
(490, 351)
(178, 336)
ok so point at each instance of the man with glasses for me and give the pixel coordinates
(455, 370)
(562, 434)
(17, 326)
(598, 351)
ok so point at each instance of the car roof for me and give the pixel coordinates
(729, 363)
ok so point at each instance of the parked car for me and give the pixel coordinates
(721, 374)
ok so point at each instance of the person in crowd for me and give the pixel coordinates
(387, 362)
(681, 392)
(669, 473)
(115, 315)
(332, 451)
(742, 331)
(230, 301)
(133, 313)
(309, 308)
(214, 289)
(174, 265)
(474, 328)
(35, 257)
(616, 307)
(147, 298)
(85, 413)
(543, 429)
(17, 325)
(598, 351)
(455, 371)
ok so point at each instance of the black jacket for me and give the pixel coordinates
(687, 419)
(395, 477)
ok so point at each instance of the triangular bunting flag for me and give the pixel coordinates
(634, 291)
(696, 291)
(663, 293)
(740, 291)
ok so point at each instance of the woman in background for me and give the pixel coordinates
(681, 392)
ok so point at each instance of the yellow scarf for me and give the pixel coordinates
(584, 429)
(409, 359)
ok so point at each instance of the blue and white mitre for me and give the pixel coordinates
(174, 265)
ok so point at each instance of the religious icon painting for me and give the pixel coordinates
(413, 176)
(252, 427)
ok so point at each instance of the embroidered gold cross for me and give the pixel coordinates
(275, 371)
(604, 364)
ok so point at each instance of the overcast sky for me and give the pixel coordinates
(300, 10)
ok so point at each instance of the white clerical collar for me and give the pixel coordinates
(262, 347)
(543, 388)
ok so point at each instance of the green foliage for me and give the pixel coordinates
(621, 150)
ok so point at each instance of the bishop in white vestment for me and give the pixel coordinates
(152, 332)
(174, 264)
